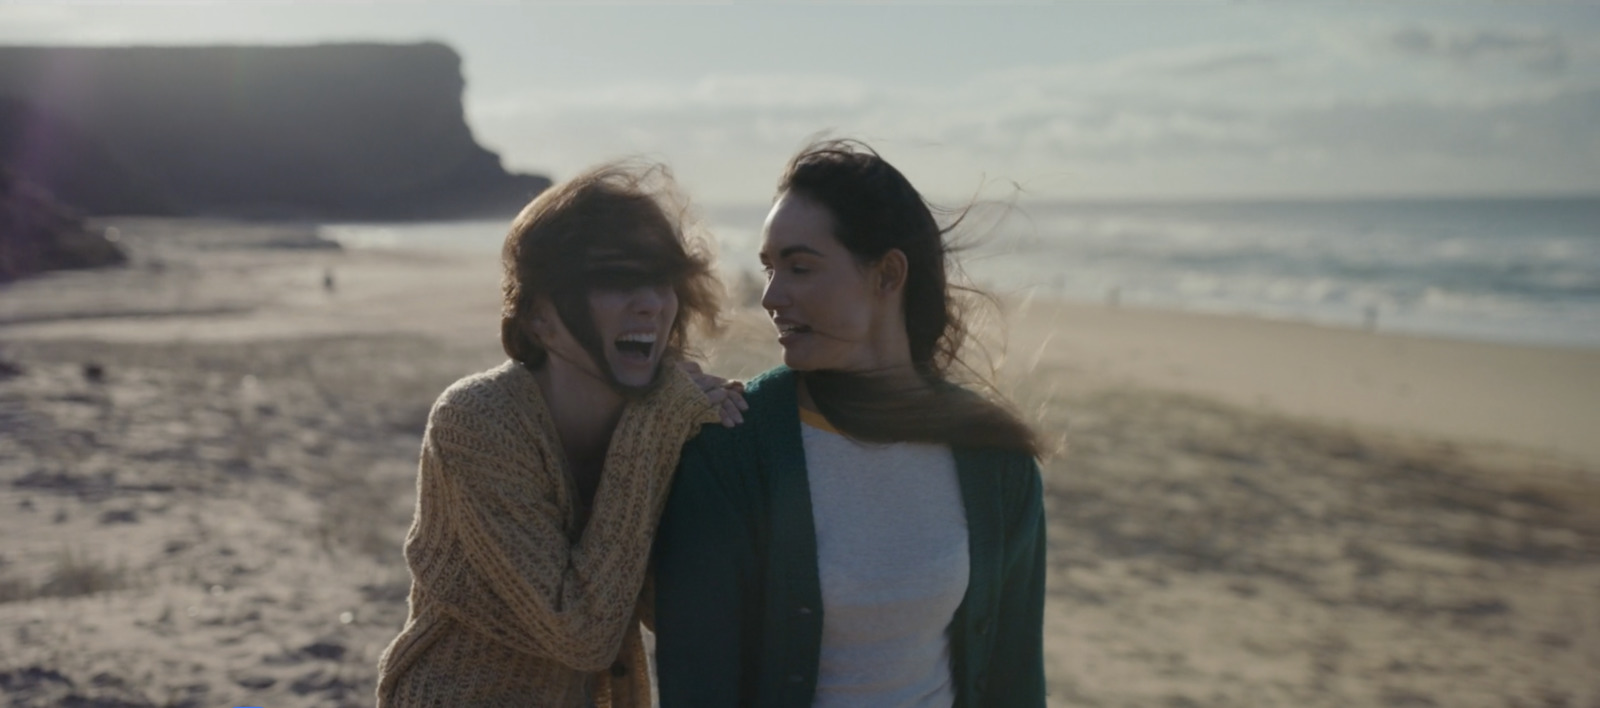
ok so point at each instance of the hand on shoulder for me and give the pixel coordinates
(726, 396)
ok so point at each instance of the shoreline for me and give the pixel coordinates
(1540, 397)
(1348, 324)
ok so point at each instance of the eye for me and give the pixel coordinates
(798, 269)
(625, 279)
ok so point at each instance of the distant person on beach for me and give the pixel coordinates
(541, 480)
(873, 535)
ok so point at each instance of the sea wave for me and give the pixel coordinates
(1521, 270)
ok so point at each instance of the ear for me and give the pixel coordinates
(541, 320)
(892, 269)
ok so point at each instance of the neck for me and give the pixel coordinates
(891, 343)
(900, 378)
(584, 407)
(890, 353)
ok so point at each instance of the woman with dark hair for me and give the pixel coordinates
(873, 535)
(541, 480)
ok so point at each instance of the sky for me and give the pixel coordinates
(1148, 101)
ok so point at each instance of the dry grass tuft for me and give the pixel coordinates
(77, 574)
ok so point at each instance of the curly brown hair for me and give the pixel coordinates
(622, 207)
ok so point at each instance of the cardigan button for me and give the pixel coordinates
(983, 627)
(803, 611)
(796, 678)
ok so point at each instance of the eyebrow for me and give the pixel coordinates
(618, 264)
(791, 250)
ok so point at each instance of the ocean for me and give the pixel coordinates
(1503, 269)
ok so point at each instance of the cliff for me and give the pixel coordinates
(37, 234)
(351, 131)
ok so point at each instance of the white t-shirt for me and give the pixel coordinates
(892, 558)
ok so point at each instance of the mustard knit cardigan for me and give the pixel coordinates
(512, 602)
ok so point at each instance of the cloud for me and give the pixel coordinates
(1537, 128)
(1203, 60)
(1289, 114)
(1230, 63)
(1534, 51)
(715, 92)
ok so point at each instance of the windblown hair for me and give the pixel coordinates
(875, 209)
(561, 243)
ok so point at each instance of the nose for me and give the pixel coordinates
(774, 296)
(650, 299)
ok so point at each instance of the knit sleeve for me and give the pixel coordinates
(503, 564)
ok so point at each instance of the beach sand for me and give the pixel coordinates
(208, 467)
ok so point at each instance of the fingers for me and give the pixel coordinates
(729, 402)
(735, 391)
(708, 383)
(730, 413)
(724, 395)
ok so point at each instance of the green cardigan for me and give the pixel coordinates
(738, 602)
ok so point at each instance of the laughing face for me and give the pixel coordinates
(633, 312)
(826, 305)
(631, 308)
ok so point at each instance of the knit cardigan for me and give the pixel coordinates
(738, 598)
(512, 602)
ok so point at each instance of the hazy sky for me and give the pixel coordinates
(1143, 101)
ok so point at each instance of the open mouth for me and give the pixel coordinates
(636, 346)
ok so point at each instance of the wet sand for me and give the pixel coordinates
(208, 466)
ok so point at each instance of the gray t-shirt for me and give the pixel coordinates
(892, 557)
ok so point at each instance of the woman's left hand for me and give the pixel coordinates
(726, 396)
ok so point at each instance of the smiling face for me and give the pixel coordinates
(605, 276)
(633, 310)
(832, 312)
(630, 311)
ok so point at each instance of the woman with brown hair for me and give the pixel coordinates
(873, 535)
(541, 480)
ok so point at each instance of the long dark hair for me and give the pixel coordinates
(623, 207)
(875, 209)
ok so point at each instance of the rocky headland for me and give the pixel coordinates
(40, 234)
(346, 131)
